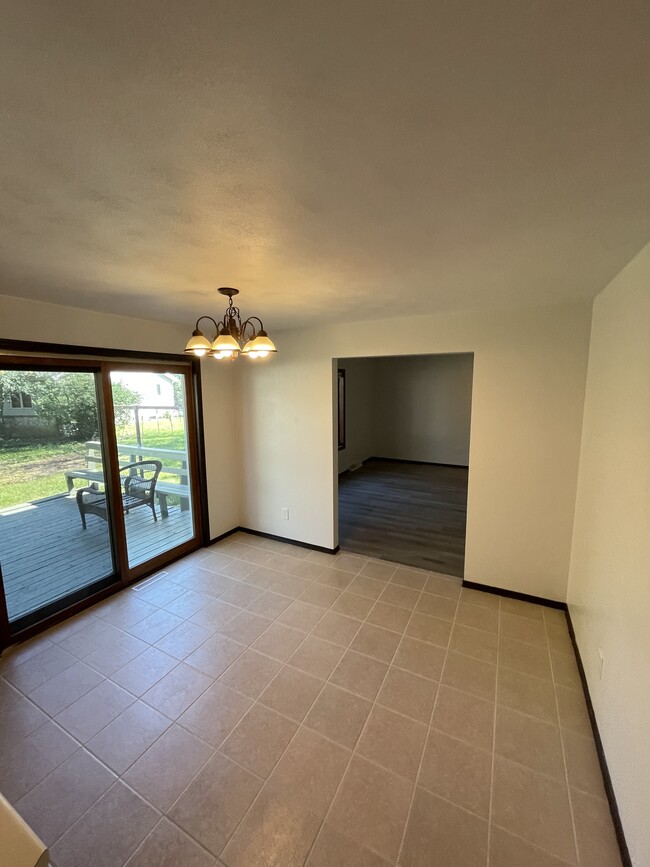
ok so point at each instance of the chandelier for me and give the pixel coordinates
(232, 337)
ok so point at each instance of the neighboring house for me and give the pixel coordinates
(18, 410)
(19, 404)
(19, 417)
(156, 391)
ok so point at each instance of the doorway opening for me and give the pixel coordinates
(403, 430)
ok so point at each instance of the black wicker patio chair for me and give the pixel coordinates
(138, 485)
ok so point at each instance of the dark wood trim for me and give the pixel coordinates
(37, 362)
(274, 538)
(514, 594)
(607, 780)
(65, 613)
(221, 537)
(101, 366)
(155, 564)
(424, 463)
(193, 445)
(5, 628)
(341, 407)
(202, 471)
(147, 367)
(35, 346)
(130, 574)
(149, 569)
(289, 541)
(34, 620)
(111, 462)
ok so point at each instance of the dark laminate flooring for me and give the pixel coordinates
(407, 513)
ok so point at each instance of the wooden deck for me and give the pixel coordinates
(46, 555)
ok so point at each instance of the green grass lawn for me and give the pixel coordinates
(34, 489)
(155, 435)
(33, 471)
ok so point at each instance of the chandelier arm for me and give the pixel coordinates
(216, 327)
(248, 322)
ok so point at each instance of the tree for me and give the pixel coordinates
(177, 385)
(123, 396)
(66, 401)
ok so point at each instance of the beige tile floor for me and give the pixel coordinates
(260, 704)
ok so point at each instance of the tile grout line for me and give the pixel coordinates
(431, 715)
(354, 748)
(397, 713)
(285, 663)
(246, 647)
(494, 737)
(175, 722)
(255, 702)
(374, 704)
(139, 697)
(564, 759)
(119, 777)
(299, 727)
(385, 583)
(164, 818)
(185, 588)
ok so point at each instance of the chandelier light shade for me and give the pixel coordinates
(232, 337)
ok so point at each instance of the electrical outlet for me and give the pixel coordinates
(602, 662)
(285, 513)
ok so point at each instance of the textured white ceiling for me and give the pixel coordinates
(334, 159)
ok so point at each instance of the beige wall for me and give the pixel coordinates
(412, 408)
(31, 320)
(609, 585)
(423, 408)
(529, 378)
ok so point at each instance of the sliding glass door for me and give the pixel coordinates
(151, 429)
(98, 480)
(51, 447)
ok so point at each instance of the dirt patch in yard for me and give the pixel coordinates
(29, 471)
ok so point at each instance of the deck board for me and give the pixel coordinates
(45, 553)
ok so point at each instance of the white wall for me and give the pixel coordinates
(31, 320)
(423, 408)
(609, 585)
(360, 422)
(527, 401)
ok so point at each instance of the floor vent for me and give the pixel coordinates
(354, 467)
(144, 584)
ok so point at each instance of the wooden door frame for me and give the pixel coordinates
(22, 354)
(131, 574)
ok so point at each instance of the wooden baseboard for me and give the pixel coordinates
(275, 539)
(514, 594)
(607, 780)
(221, 537)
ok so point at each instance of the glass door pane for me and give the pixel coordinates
(153, 453)
(50, 449)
